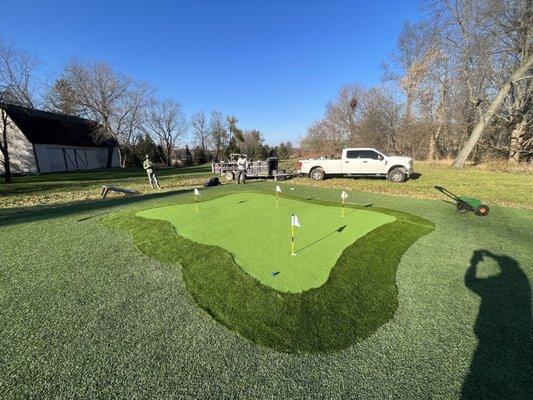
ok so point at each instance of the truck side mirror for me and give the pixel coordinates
(380, 157)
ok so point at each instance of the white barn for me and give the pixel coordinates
(41, 142)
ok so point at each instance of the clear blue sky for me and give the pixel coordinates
(273, 64)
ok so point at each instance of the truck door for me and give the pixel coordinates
(351, 163)
(371, 162)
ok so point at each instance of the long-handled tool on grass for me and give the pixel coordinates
(465, 204)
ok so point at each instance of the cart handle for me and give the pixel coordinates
(448, 193)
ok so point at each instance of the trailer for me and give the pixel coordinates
(256, 169)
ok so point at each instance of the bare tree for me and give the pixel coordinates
(101, 94)
(235, 135)
(218, 133)
(166, 121)
(485, 119)
(340, 123)
(200, 131)
(507, 65)
(61, 98)
(512, 29)
(129, 118)
(17, 69)
(253, 143)
(381, 120)
(234, 131)
(414, 53)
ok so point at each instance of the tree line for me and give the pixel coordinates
(126, 110)
(459, 84)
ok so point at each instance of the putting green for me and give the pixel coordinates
(258, 235)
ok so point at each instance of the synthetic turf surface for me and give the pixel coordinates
(257, 234)
(85, 314)
(359, 296)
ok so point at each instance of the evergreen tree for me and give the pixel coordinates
(199, 156)
(188, 157)
(143, 146)
(232, 147)
(283, 151)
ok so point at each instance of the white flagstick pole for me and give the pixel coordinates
(344, 195)
(196, 199)
(292, 236)
(278, 189)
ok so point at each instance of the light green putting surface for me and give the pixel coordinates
(258, 235)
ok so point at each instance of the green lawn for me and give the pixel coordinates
(60, 188)
(258, 235)
(84, 312)
(496, 184)
(510, 188)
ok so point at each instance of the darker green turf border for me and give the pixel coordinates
(359, 296)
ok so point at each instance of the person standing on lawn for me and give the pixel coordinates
(149, 167)
(242, 163)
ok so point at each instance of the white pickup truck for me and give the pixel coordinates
(358, 162)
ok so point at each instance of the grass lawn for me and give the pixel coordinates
(493, 183)
(60, 188)
(509, 188)
(258, 235)
(87, 310)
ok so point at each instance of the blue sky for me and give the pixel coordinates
(273, 64)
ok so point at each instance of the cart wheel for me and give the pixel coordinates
(229, 175)
(482, 210)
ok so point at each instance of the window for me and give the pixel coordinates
(352, 154)
(369, 154)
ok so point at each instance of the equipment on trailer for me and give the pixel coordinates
(465, 204)
(256, 169)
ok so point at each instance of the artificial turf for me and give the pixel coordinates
(256, 230)
(85, 314)
(359, 296)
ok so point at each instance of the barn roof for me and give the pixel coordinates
(52, 128)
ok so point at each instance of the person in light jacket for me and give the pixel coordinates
(242, 164)
(149, 167)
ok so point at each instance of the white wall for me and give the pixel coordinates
(20, 151)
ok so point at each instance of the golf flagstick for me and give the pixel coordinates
(294, 223)
(344, 196)
(196, 194)
(278, 191)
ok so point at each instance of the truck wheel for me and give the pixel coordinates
(317, 174)
(482, 210)
(229, 175)
(397, 175)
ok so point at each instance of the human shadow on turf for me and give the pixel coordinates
(502, 365)
(338, 230)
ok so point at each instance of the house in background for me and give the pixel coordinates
(41, 142)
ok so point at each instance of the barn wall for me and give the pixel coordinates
(20, 151)
(115, 161)
(59, 158)
(52, 157)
